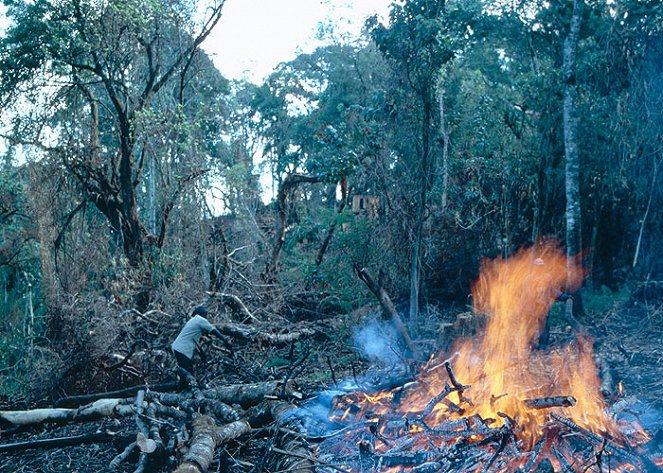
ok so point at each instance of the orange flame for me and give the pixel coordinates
(503, 367)
(511, 382)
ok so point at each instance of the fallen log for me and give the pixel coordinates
(251, 334)
(278, 339)
(143, 442)
(245, 395)
(75, 401)
(96, 410)
(97, 437)
(206, 437)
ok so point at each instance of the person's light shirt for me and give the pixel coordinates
(185, 343)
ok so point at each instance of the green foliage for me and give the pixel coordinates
(276, 362)
(598, 303)
(350, 113)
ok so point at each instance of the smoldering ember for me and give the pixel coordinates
(429, 240)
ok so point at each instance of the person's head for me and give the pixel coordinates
(200, 310)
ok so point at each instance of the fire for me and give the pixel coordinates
(503, 367)
(497, 388)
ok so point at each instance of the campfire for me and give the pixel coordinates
(497, 403)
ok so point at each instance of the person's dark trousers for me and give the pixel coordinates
(186, 364)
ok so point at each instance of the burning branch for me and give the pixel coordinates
(458, 387)
(548, 402)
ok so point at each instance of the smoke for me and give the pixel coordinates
(377, 341)
(314, 413)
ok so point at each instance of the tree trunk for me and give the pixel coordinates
(206, 438)
(152, 191)
(644, 217)
(328, 237)
(420, 215)
(572, 170)
(445, 152)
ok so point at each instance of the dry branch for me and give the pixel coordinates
(234, 302)
(458, 386)
(599, 441)
(97, 437)
(122, 456)
(433, 402)
(75, 401)
(387, 306)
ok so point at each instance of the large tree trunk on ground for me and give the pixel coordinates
(205, 439)
(96, 410)
(242, 394)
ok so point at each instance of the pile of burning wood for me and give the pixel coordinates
(384, 432)
(498, 404)
(505, 405)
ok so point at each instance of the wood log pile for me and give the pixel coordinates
(181, 430)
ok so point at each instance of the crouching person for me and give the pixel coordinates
(185, 344)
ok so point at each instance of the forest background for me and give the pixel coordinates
(457, 130)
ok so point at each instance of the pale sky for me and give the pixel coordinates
(254, 36)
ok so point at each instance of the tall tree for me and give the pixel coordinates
(110, 60)
(421, 37)
(572, 163)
